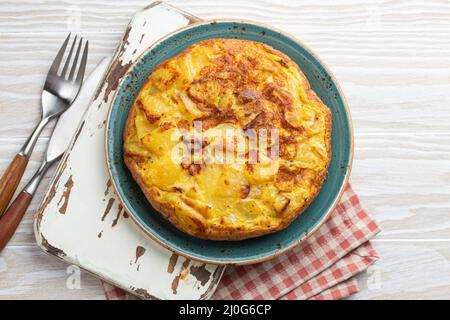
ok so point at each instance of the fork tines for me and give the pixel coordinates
(59, 57)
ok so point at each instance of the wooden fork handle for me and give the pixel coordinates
(12, 217)
(10, 180)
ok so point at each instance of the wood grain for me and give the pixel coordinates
(392, 59)
(408, 270)
(411, 101)
(26, 272)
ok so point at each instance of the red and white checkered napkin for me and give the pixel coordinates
(323, 267)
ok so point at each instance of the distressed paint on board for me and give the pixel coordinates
(80, 219)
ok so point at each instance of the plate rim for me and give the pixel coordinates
(281, 250)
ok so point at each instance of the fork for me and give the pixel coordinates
(60, 90)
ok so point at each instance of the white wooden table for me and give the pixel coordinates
(392, 59)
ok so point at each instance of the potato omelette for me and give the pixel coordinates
(227, 140)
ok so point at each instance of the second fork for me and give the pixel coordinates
(59, 91)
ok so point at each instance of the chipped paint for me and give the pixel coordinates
(116, 73)
(119, 212)
(108, 208)
(172, 263)
(114, 223)
(191, 18)
(77, 134)
(117, 70)
(216, 276)
(65, 195)
(125, 43)
(100, 234)
(143, 293)
(139, 253)
(51, 193)
(108, 185)
(182, 275)
(51, 249)
(201, 274)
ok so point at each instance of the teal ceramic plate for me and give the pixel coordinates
(230, 252)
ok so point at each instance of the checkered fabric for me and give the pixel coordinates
(323, 267)
(340, 291)
(335, 276)
(113, 293)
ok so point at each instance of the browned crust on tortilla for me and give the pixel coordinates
(219, 232)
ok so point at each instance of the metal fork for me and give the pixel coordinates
(60, 90)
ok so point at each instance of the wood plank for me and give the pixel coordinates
(24, 63)
(107, 16)
(26, 272)
(408, 271)
(404, 182)
(385, 91)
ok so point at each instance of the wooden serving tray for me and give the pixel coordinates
(81, 220)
